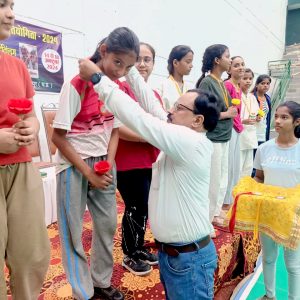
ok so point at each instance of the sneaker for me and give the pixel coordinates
(265, 297)
(147, 257)
(136, 266)
(110, 293)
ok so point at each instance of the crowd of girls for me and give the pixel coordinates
(242, 128)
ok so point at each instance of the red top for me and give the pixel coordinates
(88, 119)
(15, 82)
(237, 122)
(134, 155)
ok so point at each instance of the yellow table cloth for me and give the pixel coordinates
(272, 210)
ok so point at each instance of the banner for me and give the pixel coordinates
(41, 51)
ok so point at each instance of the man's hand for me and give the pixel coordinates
(9, 143)
(87, 68)
(100, 181)
(26, 132)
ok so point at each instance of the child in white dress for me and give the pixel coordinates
(249, 117)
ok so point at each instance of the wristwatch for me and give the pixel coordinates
(96, 77)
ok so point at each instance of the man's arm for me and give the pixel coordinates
(145, 94)
(174, 140)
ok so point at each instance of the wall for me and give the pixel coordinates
(293, 27)
(253, 29)
(293, 3)
(65, 17)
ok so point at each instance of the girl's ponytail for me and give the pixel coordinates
(199, 80)
(208, 61)
(96, 56)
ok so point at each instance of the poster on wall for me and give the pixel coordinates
(41, 51)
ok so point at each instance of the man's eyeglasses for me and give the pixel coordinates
(177, 106)
(146, 59)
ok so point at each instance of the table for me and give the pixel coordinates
(49, 185)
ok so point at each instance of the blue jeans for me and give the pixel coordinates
(292, 263)
(190, 275)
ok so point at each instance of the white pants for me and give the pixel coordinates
(234, 165)
(246, 162)
(218, 178)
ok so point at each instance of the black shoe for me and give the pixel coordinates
(110, 293)
(136, 266)
(147, 257)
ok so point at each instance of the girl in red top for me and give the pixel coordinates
(134, 160)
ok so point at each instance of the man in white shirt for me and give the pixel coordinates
(178, 200)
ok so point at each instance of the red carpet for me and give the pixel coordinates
(237, 255)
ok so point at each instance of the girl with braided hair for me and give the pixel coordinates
(216, 61)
